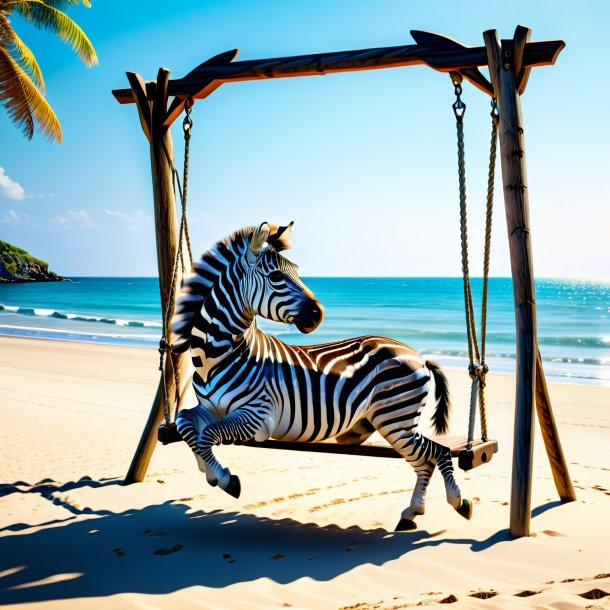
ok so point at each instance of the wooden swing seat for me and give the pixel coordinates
(480, 453)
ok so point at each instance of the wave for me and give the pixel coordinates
(76, 317)
(512, 356)
(82, 336)
(411, 335)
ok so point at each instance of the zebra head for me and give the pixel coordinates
(272, 286)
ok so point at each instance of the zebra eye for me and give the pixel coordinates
(276, 276)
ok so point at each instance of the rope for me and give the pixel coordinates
(477, 368)
(165, 346)
(491, 175)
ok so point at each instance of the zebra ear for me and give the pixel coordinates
(280, 240)
(257, 240)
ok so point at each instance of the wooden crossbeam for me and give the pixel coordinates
(446, 58)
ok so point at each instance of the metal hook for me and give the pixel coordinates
(495, 113)
(187, 123)
(459, 107)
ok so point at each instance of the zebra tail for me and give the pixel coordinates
(440, 419)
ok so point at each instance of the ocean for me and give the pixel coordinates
(426, 313)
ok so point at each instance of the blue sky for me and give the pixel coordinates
(364, 163)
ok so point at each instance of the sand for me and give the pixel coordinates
(309, 530)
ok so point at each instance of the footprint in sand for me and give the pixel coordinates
(277, 556)
(450, 599)
(526, 593)
(154, 534)
(552, 533)
(594, 594)
(228, 557)
(483, 594)
(174, 549)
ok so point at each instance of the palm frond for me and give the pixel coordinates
(20, 52)
(45, 16)
(25, 104)
(61, 4)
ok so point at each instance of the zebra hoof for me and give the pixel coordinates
(234, 486)
(465, 509)
(405, 525)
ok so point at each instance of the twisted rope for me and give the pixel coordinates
(491, 175)
(477, 366)
(165, 346)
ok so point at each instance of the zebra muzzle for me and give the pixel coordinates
(309, 317)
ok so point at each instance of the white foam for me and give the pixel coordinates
(80, 334)
(43, 312)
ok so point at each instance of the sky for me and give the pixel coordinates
(364, 163)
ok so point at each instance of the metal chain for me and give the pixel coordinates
(183, 236)
(477, 368)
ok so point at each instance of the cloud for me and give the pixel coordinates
(10, 218)
(9, 188)
(134, 220)
(204, 219)
(80, 219)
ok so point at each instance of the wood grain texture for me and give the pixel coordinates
(444, 59)
(550, 435)
(514, 179)
(521, 38)
(166, 230)
(138, 88)
(169, 435)
(472, 75)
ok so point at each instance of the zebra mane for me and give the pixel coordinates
(206, 271)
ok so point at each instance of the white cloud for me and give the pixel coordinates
(74, 219)
(134, 220)
(204, 219)
(9, 188)
(10, 218)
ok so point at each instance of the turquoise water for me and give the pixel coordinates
(426, 313)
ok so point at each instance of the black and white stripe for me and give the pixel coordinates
(253, 386)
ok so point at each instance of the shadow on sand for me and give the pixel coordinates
(167, 547)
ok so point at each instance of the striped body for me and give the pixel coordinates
(253, 386)
(317, 392)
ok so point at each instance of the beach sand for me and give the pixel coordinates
(309, 531)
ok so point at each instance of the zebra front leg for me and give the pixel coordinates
(244, 424)
(190, 424)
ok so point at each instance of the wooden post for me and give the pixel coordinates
(514, 179)
(508, 78)
(151, 101)
(550, 435)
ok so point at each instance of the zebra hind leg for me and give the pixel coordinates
(424, 455)
(417, 505)
(454, 495)
(356, 435)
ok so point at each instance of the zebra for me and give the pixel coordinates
(253, 386)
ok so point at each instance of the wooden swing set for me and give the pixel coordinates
(509, 62)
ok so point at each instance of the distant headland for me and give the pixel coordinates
(17, 265)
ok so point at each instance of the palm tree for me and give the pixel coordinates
(21, 84)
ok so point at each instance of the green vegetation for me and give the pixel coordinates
(22, 87)
(17, 265)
